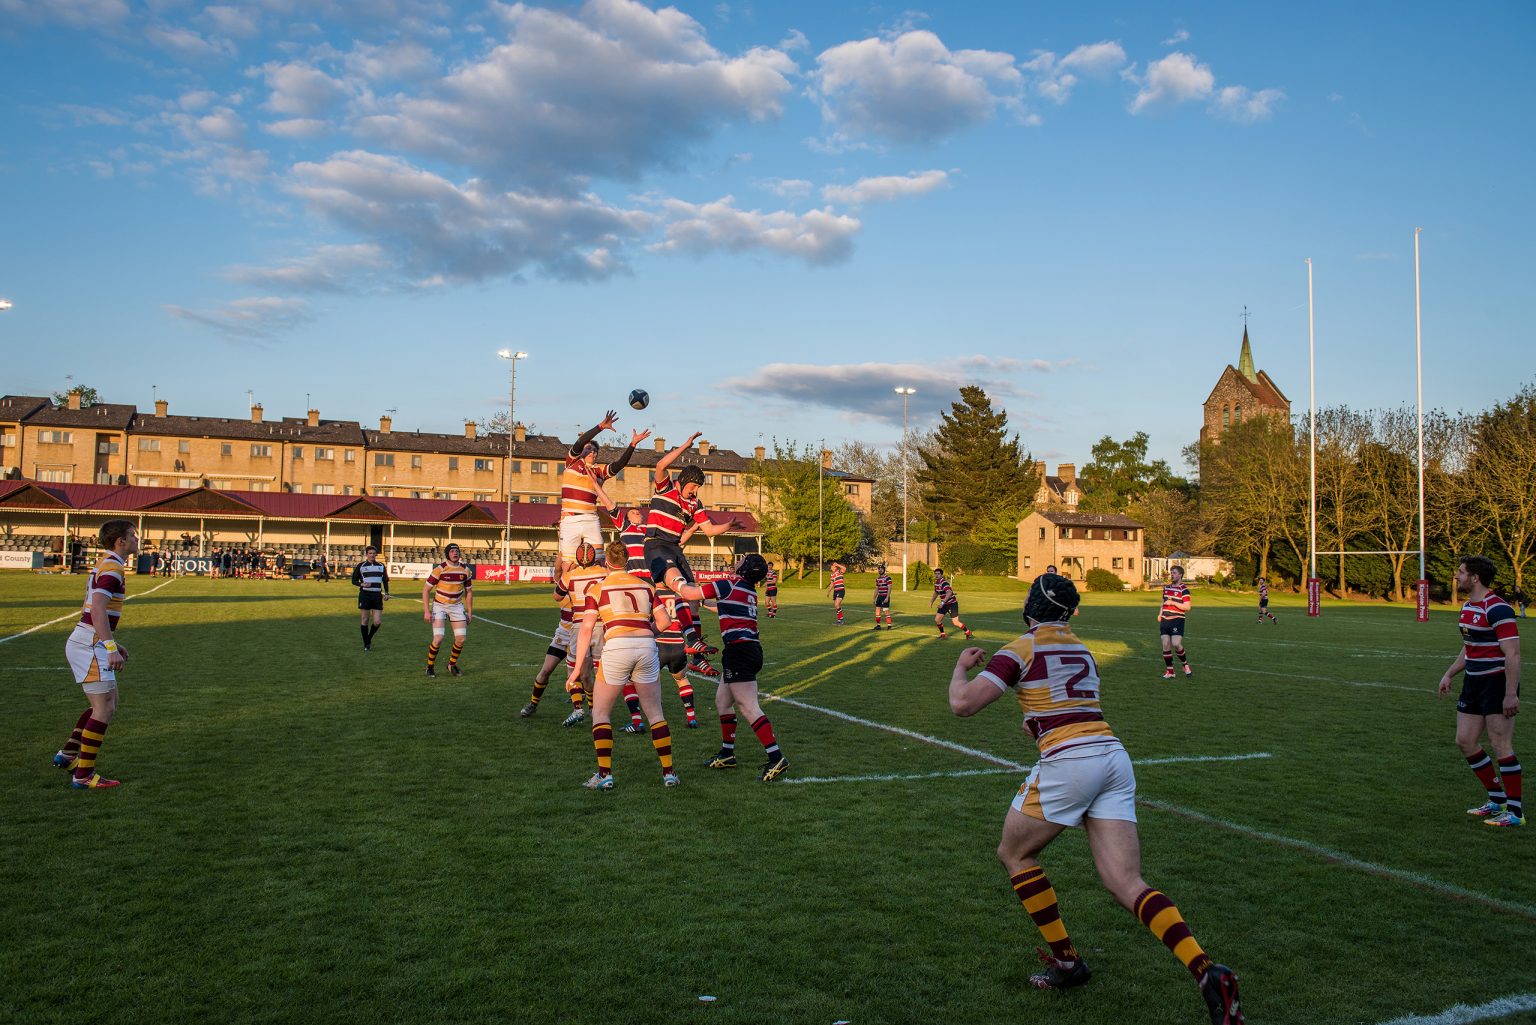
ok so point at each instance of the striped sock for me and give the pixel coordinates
(632, 699)
(73, 744)
(1168, 661)
(1039, 899)
(91, 735)
(1482, 768)
(685, 694)
(432, 653)
(728, 733)
(454, 652)
(1182, 656)
(1509, 772)
(661, 740)
(602, 740)
(764, 730)
(1159, 914)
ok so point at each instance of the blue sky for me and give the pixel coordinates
(768, 215)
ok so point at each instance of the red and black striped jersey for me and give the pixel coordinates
(882, 586)
(633, 536)
(837, 578)
(1263, 590)
(771, 581)
(449, 582)
(737, 605)
(670, 513)
(1057, 683)
(1175, 602)
(108, 577)
(1484, 624)
(577, 495)
(942, 591)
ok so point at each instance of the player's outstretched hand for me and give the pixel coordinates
(637, 437)
(610, 418)
(970, 658)
(695, 436)
(1511, 705)
(1445, 685)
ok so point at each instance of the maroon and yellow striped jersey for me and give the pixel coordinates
(578, 580)
(108, 577)
(625, 603)
(1057, 683)
(577, 495)
(1175, 602)
(670, 513)
(449, 582)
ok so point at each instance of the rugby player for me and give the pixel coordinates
(1084, 778)
(581, 490)
(1264, 602)
(835, 588)
(883, 597)
(581, 667)
(555, 655)
(771, 592)
(371, 578)
(1490, 692)
(95, 656)
(949, 605)
(446, 598)
(1170, 621)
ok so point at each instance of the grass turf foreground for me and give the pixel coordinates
(308, 833)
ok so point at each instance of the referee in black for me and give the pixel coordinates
(371, 578)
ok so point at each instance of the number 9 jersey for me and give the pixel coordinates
(1057, 683)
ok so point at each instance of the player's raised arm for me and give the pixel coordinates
(635, 438)
(606, 424)
(968, 696)
(665, 462)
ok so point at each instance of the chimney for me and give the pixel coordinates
(469, 429)
(256, 413)
(384, 423)
(661, 444)
(519, 433)
(1040, 470)
(760, 453)
(703, 448)
(826, 459)
(161, 407)
(1067, 472)
(72, 400)
(314, 418)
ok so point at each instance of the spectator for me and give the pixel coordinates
(1521, 599)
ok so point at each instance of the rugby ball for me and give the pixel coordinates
(639, 399)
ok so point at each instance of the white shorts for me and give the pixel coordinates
(1096, 781)
(565, 637)
(453, 612)
(594, 650)
(631, 660)
(579, 527)
(88, 659)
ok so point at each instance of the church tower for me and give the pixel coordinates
(1241, 393)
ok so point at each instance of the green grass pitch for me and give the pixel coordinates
(310, 834)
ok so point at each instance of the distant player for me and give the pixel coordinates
(1170, 621)
(95, 656)
(371, 578)
(736, 597)
(883, 597)
(835, 588)
(949, 605)
(1264, 612)
(1490, 692)
(1084, 778)
(771, 592)
(446, 599)
(581, 491)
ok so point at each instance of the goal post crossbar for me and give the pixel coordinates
(1405, 551)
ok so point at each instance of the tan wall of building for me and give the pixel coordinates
(1076, 555)
(77, 456)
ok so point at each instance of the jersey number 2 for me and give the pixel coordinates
(1084, 668)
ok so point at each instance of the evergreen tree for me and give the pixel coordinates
(976, 481)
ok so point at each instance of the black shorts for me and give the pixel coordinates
(1263, 603)
(1482, 695)
(370, 600)
(950, 608)
(674, 657)
(1171, 627)
(883, 603)
(741, 662)
(554, 652)
(772, 592)
(664, 555)
(837, 594)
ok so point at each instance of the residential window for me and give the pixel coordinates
(850, 489)
(421, 494)
(149, 482)
(346, 489)
(1026, 562)
(487, 465)
(261, 451)
(453, 464)
(259, 485)
(1066, 533)
(351, 456)
(326, 453)
(149, 444)
(538, 467)
(184, 446)
(415, 462)
(219, 485)
(482, 496)
(323, 489)
(187, 482)
(383, 459)
(1042, 533)
(7, 440)
(1095, 562)
(538, 499)
(709, 479)
(447, 496)
(517, 465)
(56, 476)
(55, 437)
(110, 448)
(226, 449)
(728, 480)
(383, 493)
(1115, 563)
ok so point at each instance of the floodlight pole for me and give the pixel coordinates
(904, 392)
(506, 542)
(1418, 352)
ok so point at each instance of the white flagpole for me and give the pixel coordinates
(1418, 352)
(1312, 420)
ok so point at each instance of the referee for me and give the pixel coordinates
(371, 578)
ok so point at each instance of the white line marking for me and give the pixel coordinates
(1007, 763)
(1339, 857)
(1174, 760)
(34, 669)
(1461, 1014)
(1327, 679)
(74, 615)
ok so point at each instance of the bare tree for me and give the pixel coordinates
(1500, 486)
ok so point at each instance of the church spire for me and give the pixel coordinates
(1245, 360)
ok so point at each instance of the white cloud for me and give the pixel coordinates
(297, 128)
(252, 318)
(911, 88)
(1054, 78)
(88, 116)
(817, 236)
(185, 44)
(1179, 36)
(789, 188)
(1239, 104)
(405, 60)
(232, 21)
(869, 388)
(1177, 78)
(886, 188)
(432, 227)
(83, 14)
(300, 90)
(326, 269)
(197, 99)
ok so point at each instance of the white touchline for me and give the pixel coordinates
(74, 615)
(1328, 679)
(1339, 857)
(1461, 1014)
(935, 741)
(1173, 760)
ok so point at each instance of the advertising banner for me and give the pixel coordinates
(702, 575)
(410, 570)
(1314, 596)
(21, 560)
(1423, 601)
(198, 565)
(515, 574)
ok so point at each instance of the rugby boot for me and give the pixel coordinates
(454, 670)
(669, 779)
(63, 760)
(723, 760)
(1167, 674)
(1060, 974)
(633, 727)
(95, 781)
(1505, 819)
(1219, 987)
(1482, 811)
(599, 782)
(576, 718)
(529, 709)
(774, 769)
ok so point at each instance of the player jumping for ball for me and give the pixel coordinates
(581, 488)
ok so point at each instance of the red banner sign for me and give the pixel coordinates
(1314, 596)
(514, 574)
(1423, 601)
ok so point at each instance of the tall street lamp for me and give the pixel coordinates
(904, 392)
(506, 543)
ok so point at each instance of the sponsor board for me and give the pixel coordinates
(514, 574)
(21, 560)
(1423, 601)
(1314, 596)
(410, 570)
